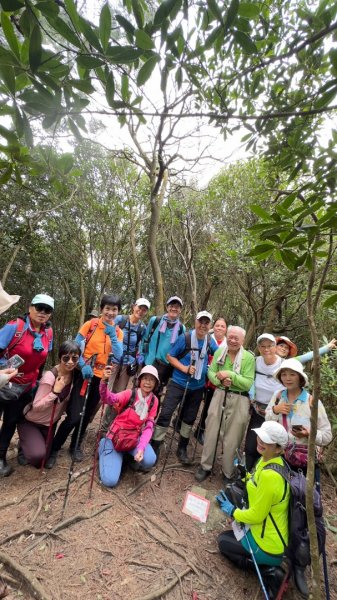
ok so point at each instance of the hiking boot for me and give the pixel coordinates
(76, 454)
(201, 474)
(5, 469)
(300, 581)
(182, 451)
(51, 460)
(22, 460)
(199, 435)
(273, 578)
(156, 445)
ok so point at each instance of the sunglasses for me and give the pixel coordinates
(70, 357)
(43, 308)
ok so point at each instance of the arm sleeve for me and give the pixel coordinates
(45, 396)
(213, 369)
(116, 344)
(245, 379)
(112, 398)
(270, 415)
(6, 335)
(324, 433)
(80, 340)
(304, 358)
(265, 498)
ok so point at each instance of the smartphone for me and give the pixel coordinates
(14, 362)
(297, 427)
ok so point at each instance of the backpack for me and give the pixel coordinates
(298, 547)
(20, 324)
(188, 345)
(154, 326)
(93, 326)
(124, 435)
(140, 328)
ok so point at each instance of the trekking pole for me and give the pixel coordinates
(49, 435)
(84, 392)
(219, 430)
(256, 566)
(199, 425)
(176, 423)
(326, 575)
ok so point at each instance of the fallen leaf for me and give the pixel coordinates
(83, 579)
(59, 555)
(153, 478)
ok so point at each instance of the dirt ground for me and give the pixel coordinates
(130, 543)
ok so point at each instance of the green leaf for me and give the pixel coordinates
(74, 129)
(35, 48)
(49, 9)
(127, 26)
(11, 5)
(27, 131)
(89, 33)
(330, 301)
(260, 212)
(261, 249)
(123, 55)
(143, 40)
(10, 36)
(6, 175)
(333, 57)
(8, 77)
(72, 11)
(289, 258)
(64, 30)
(164, 10)
(326, 98)
(110, 89)
(105, 25)
(138, 12)
(7, 57)
(84, 85)
(231, 13)
(245, 42)
(125, 87)
(89, 62)
(8, 135)
(249, 10)
(214, 8)
(146, 70)
(65, 162)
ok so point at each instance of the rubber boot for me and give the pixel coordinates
(300, 581)
(182, 451)
(5, 469)
(156, 445)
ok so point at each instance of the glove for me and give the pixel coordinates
(87, 372)
(226, 506)
(110, 330)
(140, 359)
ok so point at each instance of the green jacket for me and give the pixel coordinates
(241, 382)
(268, 494)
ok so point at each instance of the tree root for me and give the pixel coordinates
(39, 506)
(329, 472)
(24, 531)
(163, 590)
(16, 501)
(33, 587)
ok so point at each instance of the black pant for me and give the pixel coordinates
(164, 374)
(208, 395)
(74, 410)
(173, 397)
(232, 549)
(252, 454)
(12, 414)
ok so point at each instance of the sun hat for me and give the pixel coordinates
(204, 313)
(294, 365)
(6, 300)
(43, 299)
(149, 370)
(174, 299)
(143, 302)
(266, 336)
(292, 347)
(271, 432)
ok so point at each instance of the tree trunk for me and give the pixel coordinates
(155, 203)
(134, 255)
(10, 264)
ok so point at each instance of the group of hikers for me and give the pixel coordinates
(257, 404)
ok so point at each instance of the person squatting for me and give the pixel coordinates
(142, 375)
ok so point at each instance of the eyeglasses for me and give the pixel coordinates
(43, 308)
(70, 357)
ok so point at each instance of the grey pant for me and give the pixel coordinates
(124, 382)
(233, 427)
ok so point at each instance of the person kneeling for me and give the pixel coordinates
(132, 429)
(255, 539)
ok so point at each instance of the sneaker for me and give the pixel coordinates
(76, 454)
(51, 460)
(5, 468)
(201, 474)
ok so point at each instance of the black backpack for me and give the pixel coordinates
(188, 345)
(298, 547)
(140, 328)
(154, 326)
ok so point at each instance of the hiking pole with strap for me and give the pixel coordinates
(180, 411)
(199, 425)
(219, 430)
(84, 392)
(49, 435)
(258, 572)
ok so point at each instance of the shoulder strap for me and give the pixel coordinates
(92, 329)
(122, 322)
(278, 397)
(140, 330)
(282, 470)
(20, 323)
(131, 401)
(54, 372)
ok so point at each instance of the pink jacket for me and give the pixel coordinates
(42, 406)
(121, 399)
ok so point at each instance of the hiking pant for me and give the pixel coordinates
(233, 426)
(252, 454)
(237, 551)
(12, 414)
(74, 409)
(208, 395)
(116, 384)
(33, 438)
(189, 411)
(164, 373)
(110, 461)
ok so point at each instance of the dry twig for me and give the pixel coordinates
(163, 590)
(21, 573)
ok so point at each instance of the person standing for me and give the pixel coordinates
(189, 359)
(232, 372)
(31, 337)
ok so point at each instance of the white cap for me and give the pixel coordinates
(143, 302)
(6, 300)
(266, 336)
(271, 432)
(204, 313)
(150, 370)
(43, 299)
(294, 365)
(174, 299)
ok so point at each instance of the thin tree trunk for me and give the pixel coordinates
(155, 203)
(134, 254)
(83, 304)
(10, 264)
